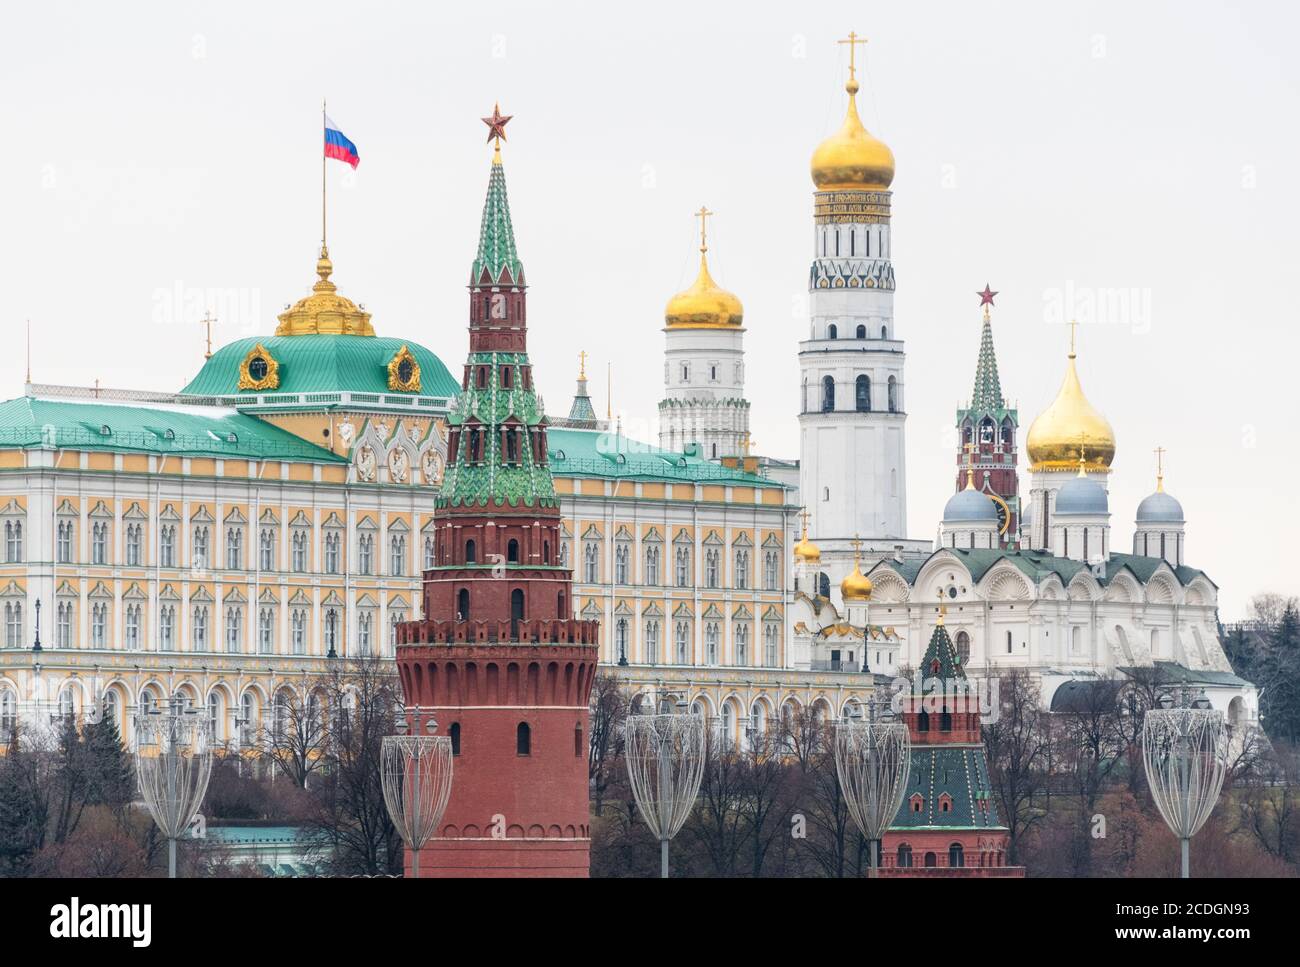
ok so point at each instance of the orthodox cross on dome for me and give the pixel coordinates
(207, 321)
(1160, 469)
(703, 215)
(582, 364)
(1074, 326)
(853, 40)
(803, 516)
(497, 125)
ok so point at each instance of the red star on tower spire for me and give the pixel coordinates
(986, 297)
(497, 125)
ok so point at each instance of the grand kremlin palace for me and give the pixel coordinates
(219, 543)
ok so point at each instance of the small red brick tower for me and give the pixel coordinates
(947, 825)
(498, 657)
(987, 434)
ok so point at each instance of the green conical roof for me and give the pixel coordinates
(496, 239)
(941, 650)
(987, 395)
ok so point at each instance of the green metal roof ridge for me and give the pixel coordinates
(631, 459)
(31, 423)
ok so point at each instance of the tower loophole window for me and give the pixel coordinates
(454, 732)
(523, 739)
(512, 551)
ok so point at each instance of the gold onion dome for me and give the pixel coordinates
(324, 311)
(806, 551)
(857, 586)
(705, 305)
(1069, 425)
(852, 159)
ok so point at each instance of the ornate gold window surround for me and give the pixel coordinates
(395, 382)
(272, 378)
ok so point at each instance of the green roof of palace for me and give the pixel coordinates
(322, 363)
(599, 453)
(35, 423)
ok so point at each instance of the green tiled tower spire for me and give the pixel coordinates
(497, 428)
(497, 259)
(941, 659)
(987, 395)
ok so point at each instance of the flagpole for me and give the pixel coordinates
(322, 177)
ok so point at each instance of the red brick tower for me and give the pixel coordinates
(498, 657)
(987, 436)
(947, 825)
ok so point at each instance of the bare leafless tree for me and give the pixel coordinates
(1017, 741)
(609, 710)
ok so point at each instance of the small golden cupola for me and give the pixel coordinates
(1068, 427)
(705, 305)
(856, 586)
(324, 311)
(805, 551)
(852, 159)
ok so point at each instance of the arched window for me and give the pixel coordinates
(931, 860)
(923, 721)
(462, 604)
(471, 552)
(893, 395)
(884, 332)
(862, 332)
(945, 720)
(905, 856)
(963, 647)
(862, 393)
(512, 551)
(832, 332)
(523, 739)
(956, 855)
(828, 394)
(454, 732)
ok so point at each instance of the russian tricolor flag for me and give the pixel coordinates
(338, 146)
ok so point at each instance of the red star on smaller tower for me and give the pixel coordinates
(497, 124)
(986, 297)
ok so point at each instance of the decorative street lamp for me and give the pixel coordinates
(665, 762)
(331, 616)
(37, 645)
(873, 760)
(416, 777)
(173, 762)
(1185, 751)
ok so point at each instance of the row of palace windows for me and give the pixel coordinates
(956, 857)
(333, 555)
(523, 739)
(200, 637)
(682, 569)
(682, 651)
(861, 394)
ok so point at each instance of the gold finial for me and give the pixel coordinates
(1083, 455)
(703, 215)
(207, 321)
(852, 40)
(943, 610)
(970, 465)
(1073, 328)
(747, 442)
(857, 549)
(582, 364)
(803, 516)
(1160, 469)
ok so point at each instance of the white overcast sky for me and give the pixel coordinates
(1143, 149)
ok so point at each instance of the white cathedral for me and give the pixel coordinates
(1034, 584)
